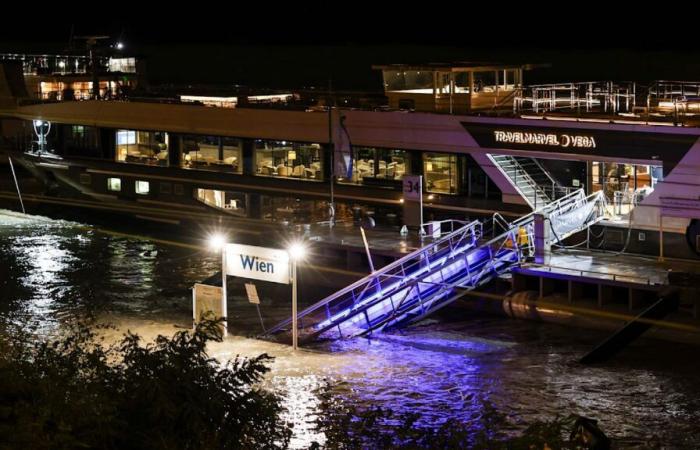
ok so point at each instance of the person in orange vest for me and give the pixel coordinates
(522, 237)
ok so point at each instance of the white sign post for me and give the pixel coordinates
(295, 323)
(413, 201)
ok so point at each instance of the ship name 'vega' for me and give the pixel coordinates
(554, 140)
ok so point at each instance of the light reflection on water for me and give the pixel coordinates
(51, 270)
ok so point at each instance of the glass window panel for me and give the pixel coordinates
(142, 147)
(230, 202)
(142, 187)
(440, 170)
(392, 164)
(374, 164)
(114, 184)
(289, 159)
(212, 153)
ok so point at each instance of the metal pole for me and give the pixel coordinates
(331, 147)
(295, 332)
(588, 238)
(661, 237)
(369, 255)
(19, 194)
(224, 296)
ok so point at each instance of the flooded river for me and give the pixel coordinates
(447, 367)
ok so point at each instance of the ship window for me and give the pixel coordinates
(166, 188)
(230, 202)
(83, 141)
(179, 189)
(85, 178)
(293, 209)
(392, 164)
(413, 81)
(440, 171)
(114, 184)
(142, 147)
(142, 187)
(362, 165)
(222, 154)
(125, 65)
(624, 185)
(289, 159)
(371, 165)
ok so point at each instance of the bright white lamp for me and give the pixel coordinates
(297, 251)
(217, 241)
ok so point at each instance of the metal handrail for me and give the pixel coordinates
(450, 262)
(526, 176)
(613, 276)
(474, 227)
(452, 223)
(532, 181)
(498, 219)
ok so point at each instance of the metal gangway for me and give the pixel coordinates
(422, 282)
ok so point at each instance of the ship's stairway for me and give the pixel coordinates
(530, 179)
(420, 283)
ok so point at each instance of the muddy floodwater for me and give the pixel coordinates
(449, 366)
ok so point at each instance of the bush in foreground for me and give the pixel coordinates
(75, 392)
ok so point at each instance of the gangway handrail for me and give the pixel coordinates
(500, 241)
(455, 260)
(450, 221)
(472, 227)
(498, 219)
(614, 276)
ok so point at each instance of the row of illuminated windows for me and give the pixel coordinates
(287, 159)
(371, 165)
(224, 154)
(141, 187)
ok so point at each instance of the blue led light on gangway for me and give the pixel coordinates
(435, 275)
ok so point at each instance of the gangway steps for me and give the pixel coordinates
(435, 275)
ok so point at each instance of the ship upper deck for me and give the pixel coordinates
(460, 89)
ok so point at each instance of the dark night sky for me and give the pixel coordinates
(295, 45)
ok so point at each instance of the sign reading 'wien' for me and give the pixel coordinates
(257, 263)
(550, 139)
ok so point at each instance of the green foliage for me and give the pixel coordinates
(77, 392)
